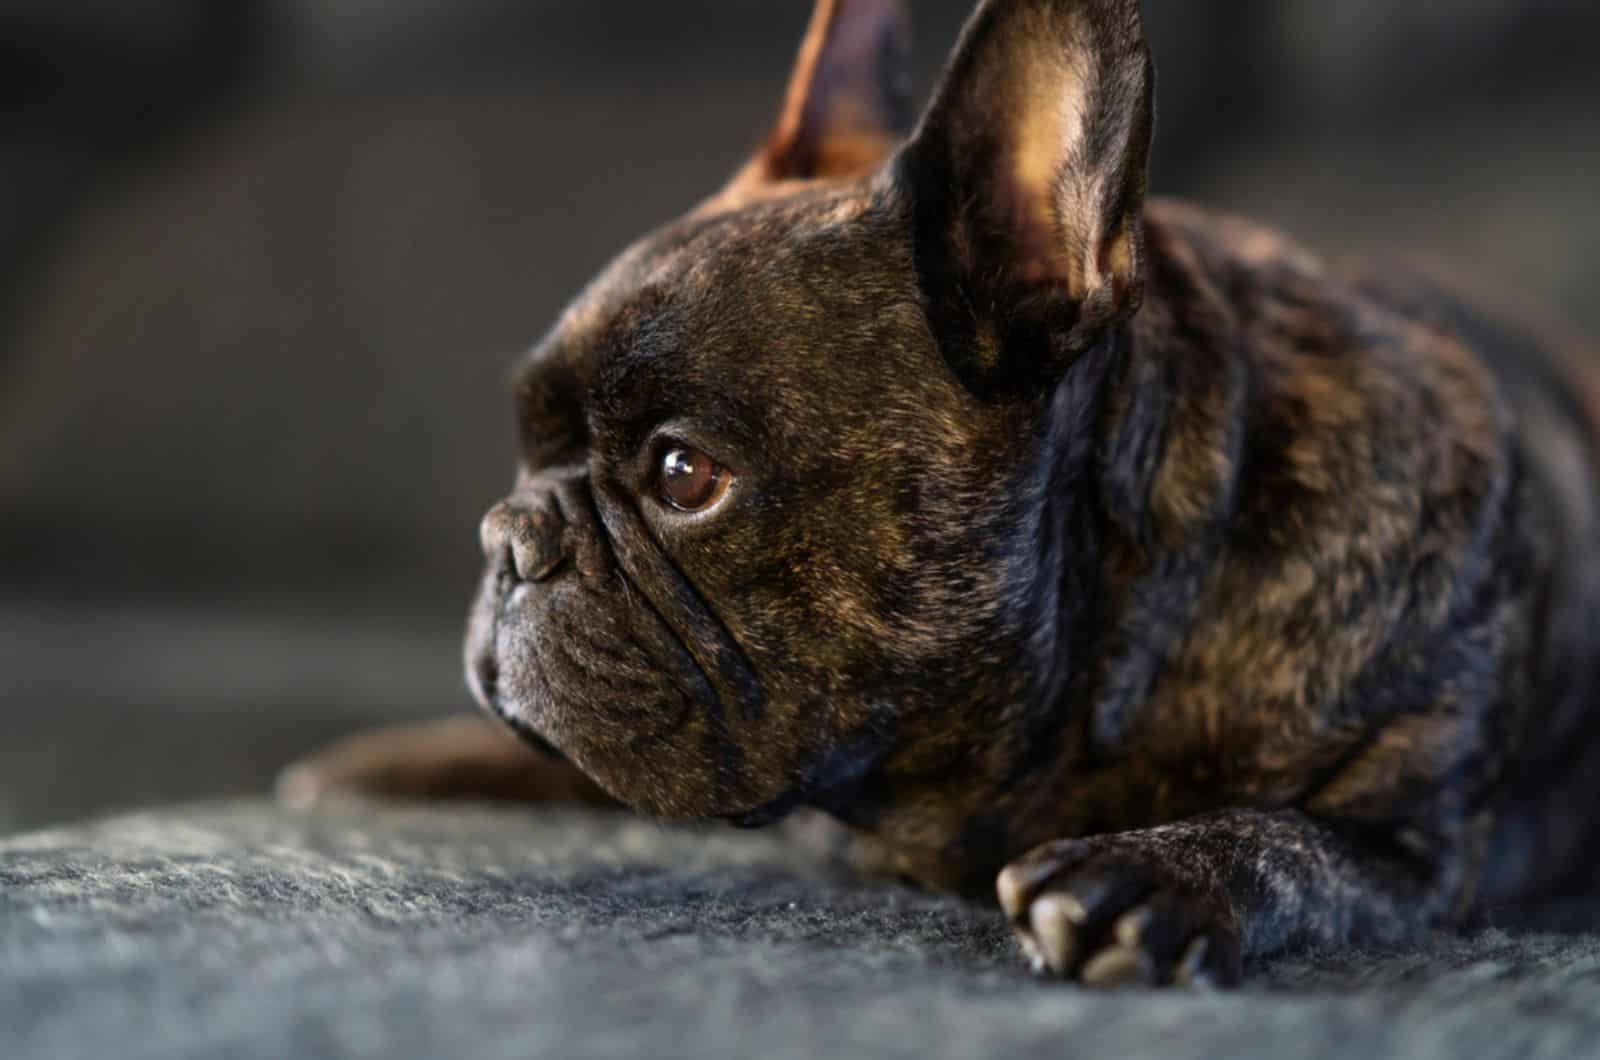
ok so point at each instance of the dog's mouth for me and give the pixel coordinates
(545, 746)
(609, 684)
(631, 674)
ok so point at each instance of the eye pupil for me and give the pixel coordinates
(690, 480)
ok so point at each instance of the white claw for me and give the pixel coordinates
(1012, 891)
(1118, 966)
(1052, 931)
(1130, 927)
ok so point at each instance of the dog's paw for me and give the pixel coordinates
(1109, 916)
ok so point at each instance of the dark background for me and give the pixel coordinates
(264, 266)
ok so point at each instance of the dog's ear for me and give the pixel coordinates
(848, 102)
(1027, 178)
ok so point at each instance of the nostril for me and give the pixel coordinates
(525, 536)
(533, 557)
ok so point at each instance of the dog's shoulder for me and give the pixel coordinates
(1356, 460)
(1308, 387)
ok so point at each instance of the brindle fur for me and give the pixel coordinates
(1234, 599)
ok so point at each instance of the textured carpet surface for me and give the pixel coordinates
(242, 930)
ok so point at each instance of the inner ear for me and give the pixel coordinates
(848, 103)
(1028, 175)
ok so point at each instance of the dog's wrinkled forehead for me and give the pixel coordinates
(701, 263)
(692, 307)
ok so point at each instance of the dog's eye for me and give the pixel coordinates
(690, 480)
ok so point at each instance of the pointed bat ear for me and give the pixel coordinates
(1027, 175)
(848, 105)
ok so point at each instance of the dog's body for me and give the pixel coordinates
(1224, 599)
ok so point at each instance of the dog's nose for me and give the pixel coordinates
(530, 536)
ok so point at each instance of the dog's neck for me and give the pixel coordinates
(1125, 525)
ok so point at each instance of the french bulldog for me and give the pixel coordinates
(1193, 595)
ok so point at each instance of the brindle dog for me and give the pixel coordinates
(1214, 598)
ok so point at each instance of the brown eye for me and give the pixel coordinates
(690, 480)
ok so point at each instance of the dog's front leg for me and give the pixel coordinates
(1185, 903)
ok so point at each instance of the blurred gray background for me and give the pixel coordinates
(264, 265)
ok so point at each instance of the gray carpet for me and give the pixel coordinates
(242, 930)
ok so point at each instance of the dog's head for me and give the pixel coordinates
(787, 521)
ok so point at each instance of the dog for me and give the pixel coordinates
(1193, 596)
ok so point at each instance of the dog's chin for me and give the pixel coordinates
(571, 674)
(671, 774)
(659, 755)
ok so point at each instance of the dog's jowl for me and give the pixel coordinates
(1193, 595)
